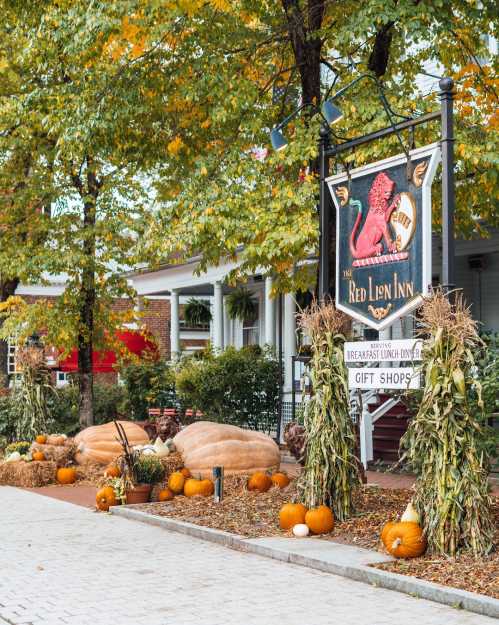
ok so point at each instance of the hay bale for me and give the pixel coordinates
(28, 474)
(62, 455)
(172, 462)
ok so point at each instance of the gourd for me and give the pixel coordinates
(280, 479)
(41, 439)
(320, 520)
(405, 540)
(15, 456)
(410, 515)
(165, 495)
(384, 532)
(112, 471)
(260, 482)
(66, 475)
(105, 498)
(185, 472)
(300, 530)
(194, 487)
(161, 449)
(56, 439)
(204, 445)
(176, 482)
(292, 514)
(99, 443)
(39, 456)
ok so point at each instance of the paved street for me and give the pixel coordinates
(63, 564)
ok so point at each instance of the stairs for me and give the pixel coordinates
(388, 430)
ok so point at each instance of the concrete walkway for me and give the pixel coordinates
(61, 564)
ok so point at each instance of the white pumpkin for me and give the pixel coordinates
(410, 515)
(170, 444)
(148, 452)
(301, 530)
(161, 448)
(15, 456)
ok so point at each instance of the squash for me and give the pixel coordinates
(176, 482)
(41, 439)
(194, 487)
(280, 479)
(300, 530)
(66, 475)
(15, 456)
(384, 532)
(39, 456)
(259, 481)
(165, 495)
(410, 514)
(56, 439)
(112, 471)
(185, 472)
(161, 449)
(99, 443)
(320, 520)
(205, 445)
(405, 540)
(105, 498)
(292, 514)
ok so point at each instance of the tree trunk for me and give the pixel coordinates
(7, 289)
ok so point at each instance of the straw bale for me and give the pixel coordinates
(62, 455)
(28, 474)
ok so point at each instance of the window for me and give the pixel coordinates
(61, 378)
(251, 329)
(11, 359)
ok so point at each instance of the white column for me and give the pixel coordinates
(218, 317)
(269, 314)
(174, 325)
(226, 332)
(289, 339)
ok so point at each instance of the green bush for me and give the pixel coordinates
(7, 421)
(240, 387)
(148, 470)
(148, 385)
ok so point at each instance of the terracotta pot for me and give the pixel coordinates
(140, 494)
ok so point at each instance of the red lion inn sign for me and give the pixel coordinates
(383, 236)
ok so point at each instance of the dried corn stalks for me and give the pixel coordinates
(330, 470)
(445, 440)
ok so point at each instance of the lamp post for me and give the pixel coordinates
(324, 213)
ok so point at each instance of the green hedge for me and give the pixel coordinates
(148, 385)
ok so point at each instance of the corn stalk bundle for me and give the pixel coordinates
(331, 468)
(446, 439)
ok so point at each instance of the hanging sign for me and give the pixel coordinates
(383, 236)
(398, 350)
(384, 377)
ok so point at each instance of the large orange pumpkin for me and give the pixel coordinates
(205, 445)
(259, 481)
(320, 520)
(105, 498)
(66, 475)
(176, 482)
(384, 532)
(405, 540)
(165, 495)
(38, 456)
(112, 471)
(194, 487)
(99, 443)
(41, 439)
(292, 514)
(280, 479)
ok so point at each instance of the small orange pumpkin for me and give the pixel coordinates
(165, 495)
(41, 439)
(185, 472)
(176, 482)
(66, 475)
(280, 479)
(56, 439)
(112, 471)
(194, 487)
(260, 482)
(39, 456)
(384, 532)
(105, 498)
(320, 520)
(292, 514)
(405, 540)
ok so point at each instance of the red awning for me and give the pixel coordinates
(104, 361)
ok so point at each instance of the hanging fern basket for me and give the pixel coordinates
(240, 305)
(197, 313)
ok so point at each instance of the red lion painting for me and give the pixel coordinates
(376, 226)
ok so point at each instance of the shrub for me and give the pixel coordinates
(240, 387)
(148, 385)
(7, 421)
(148, 470)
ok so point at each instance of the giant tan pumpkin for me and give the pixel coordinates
(99, 443)
(205, 445)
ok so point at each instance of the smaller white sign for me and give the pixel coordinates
(383, 351)
(383, 377)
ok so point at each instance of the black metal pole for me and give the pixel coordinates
(279, 362)
(324, 234)
(448, 197)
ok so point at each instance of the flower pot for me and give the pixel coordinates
(139, 494)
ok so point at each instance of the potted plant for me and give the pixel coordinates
(197, 313)
(240, 305)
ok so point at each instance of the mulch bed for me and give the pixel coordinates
(255, 515)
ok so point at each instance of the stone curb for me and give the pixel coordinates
(422, 589)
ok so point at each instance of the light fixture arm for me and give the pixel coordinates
(296, 112)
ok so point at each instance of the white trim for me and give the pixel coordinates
(39, 290)
(433, 150)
